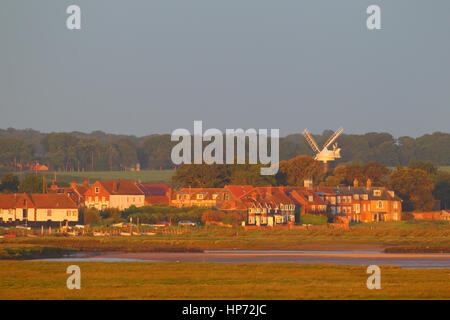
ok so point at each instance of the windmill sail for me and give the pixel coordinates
(311, 141)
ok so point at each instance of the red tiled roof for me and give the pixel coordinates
(8, 201)
(37, 200)
(154, 189)
(121, 187)
(53, 201)
(239, 190)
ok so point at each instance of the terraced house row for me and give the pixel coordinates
(261, 206)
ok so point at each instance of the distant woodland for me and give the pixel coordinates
(99, 151)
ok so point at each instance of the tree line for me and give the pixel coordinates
(98, 151)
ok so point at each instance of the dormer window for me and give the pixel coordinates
(310, 198)
(356, 196)
(377, 193)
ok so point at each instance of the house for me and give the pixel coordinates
(362, 204)
(156, 194)
(76, 192)
(37, 208)
(268, 206)
(308, 200)
(200, 197)
(37, 167)
(120, 194)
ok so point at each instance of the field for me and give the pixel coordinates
(415, 236)
(189, 280)
(141, 280)
(145, 176)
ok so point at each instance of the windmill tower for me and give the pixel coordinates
(325, 155)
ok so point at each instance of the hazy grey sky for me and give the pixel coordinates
(151, 66)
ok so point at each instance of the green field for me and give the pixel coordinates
(147, 280)
(144, 176)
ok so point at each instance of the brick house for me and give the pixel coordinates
(76, 192)
(268, 206)
(200, 197)
(308, 200)
(156, 193)
(120, 194)
(362, 204)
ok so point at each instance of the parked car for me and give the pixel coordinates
(186, 223)
(162, 224)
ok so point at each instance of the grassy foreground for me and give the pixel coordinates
(141, 280)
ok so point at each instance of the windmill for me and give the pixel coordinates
(325, 155)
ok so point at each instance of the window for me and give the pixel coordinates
(310, 198)
(178, 196)
(379, 204)
(343, 199)
(356, 196)
(395, 205)
(96, 199)
(97, 189)
(103, 199)
(225, 196)
(200, 196)
(214, 196)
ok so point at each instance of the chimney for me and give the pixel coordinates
(86, 183)
(355, 183)
(369, 184)
(115, 186)
(269, 190)
(73, 185)
(308, 183)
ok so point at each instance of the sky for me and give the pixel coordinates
(151, 66)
